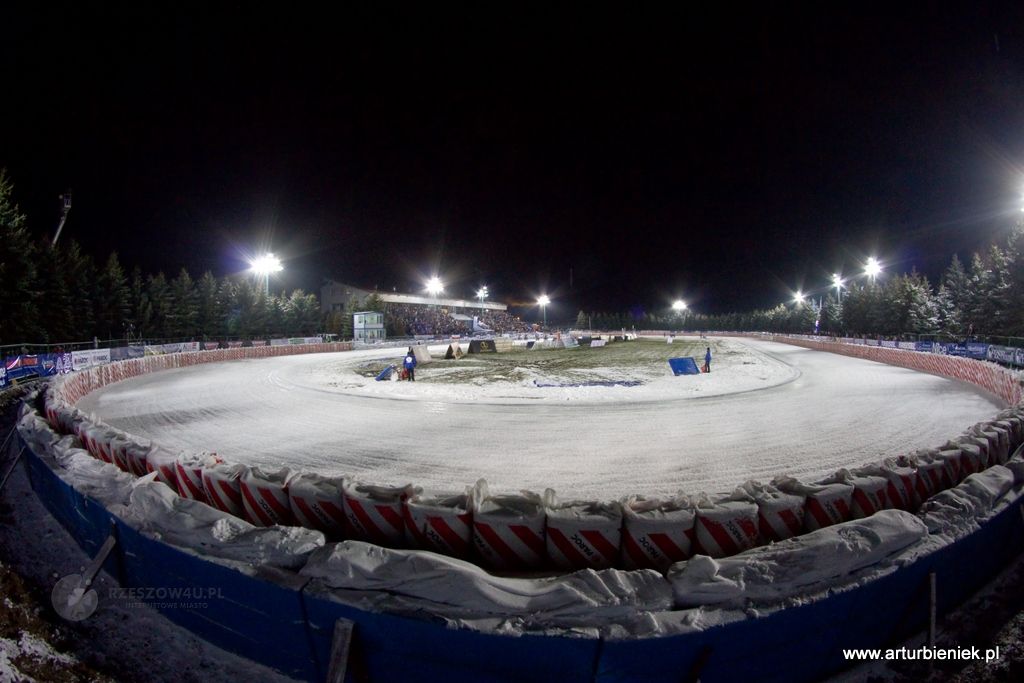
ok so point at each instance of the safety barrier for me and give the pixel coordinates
(614, 659)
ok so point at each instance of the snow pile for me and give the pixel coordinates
(798, 566)
(452, 588)
(955, 512)
(189, 524)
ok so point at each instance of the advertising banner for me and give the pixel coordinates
(927, 347)
(260, 342)
(83, 360)
(909, 346)
(1002, 354)
(889, 344)
(3, 376)
(234, 344)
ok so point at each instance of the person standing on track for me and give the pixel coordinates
(707, 360)
(410, 365)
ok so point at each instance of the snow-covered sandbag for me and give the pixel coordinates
(929, 477)
(374, 513)
(442, 523)
(825, 504)
(957, 511)
(317, 502)
(165, 463)
(902, 489)
(64, 446)
(656, 534)
(1016, 465)
(812, 563)
(450, 588)
(118, 451)
(984, 448)
(99, 437)
(265, 496)
(189, 467)
(972, 460)
(583, 534)
(96, 479)
(137, 454)
(952, 466)
(1015, 425)
(222, 484)
(999, 441)
(869, 495)
(726, 527)
(508, 530)
(36, 431)
(186, 523)
(779, 515)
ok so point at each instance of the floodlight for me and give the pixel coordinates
(678, 305)
(872, 268)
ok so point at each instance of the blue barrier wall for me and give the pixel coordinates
(273, 617)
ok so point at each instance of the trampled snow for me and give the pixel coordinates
(766, 409)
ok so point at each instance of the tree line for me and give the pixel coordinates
(983, 299)
(60, 294)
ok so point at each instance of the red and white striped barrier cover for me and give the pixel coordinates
(190, 474)
(119, 451)
(165, 464)
(584, 535)
(98, 438)
(655, 535)
(972, 460)
(222, 484)
(779, 515)
(984, 449)
(825, 504)
(317, 502)
(508, 531)
(869, 496)
(726, 528)
(265, 497)
(929, 478)
(440, 523)
(374, 513)
(952, 466)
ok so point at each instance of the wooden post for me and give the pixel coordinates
(341, 643)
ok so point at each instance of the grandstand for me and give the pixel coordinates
(416, 315)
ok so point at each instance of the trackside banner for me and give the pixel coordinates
(83, 360)
(295, 340)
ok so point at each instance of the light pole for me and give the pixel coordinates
(435, 287)
(482, 294)
(263, 267)
(679, 306)
(544, 301)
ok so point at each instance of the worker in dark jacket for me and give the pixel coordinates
(707, 360)
(410, 365)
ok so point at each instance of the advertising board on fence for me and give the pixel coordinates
(83, 360)
(295, 340)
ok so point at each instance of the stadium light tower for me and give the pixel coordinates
(872, 268)
(837, 282)
(544, 301)
(264, 266)
(482, 294)
(799, 298)
(679, 306)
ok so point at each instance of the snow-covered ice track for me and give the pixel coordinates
(837, 412)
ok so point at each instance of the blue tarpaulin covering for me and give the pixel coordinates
(683, 366)
(385, 373)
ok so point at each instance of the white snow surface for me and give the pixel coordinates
(766, 409)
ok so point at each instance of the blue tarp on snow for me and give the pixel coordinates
(683, 366)
(385, 373)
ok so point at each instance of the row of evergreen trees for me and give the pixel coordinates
(984, 300)
(59, 294)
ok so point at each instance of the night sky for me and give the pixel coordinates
(725, 158)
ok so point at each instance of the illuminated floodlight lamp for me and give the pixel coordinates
(264, 266)
(543, 302)
(678, 305)
(837, 282)
(434, 286)
(482, 294)
(799, 298)
(872, 268)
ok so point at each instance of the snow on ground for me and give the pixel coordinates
(766, 409)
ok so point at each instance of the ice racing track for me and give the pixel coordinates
(287, 621)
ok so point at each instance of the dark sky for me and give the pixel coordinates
(726, 158)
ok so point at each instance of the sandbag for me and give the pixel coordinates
(442, 523)
(780, 515)
(952, 466)
(118, 451)
(97, 440)
(869, 496)
(508, 530)
(222, 484)
(374, 513)
(165, 464)
(929, 478)
(984, 448)
(265, 497)
(726, 527)
(189, 467)
(317, 502)
(136, 454)
(825, 505)
(583, 535)
(998, 439)
(972, 460)
(656, 534)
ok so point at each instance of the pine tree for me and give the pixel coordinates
(113, 305)
(19, 320)
(208, 310)
(80, 273)
(159, 294)
(183, 311)
(581, 320)
(56, 308)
